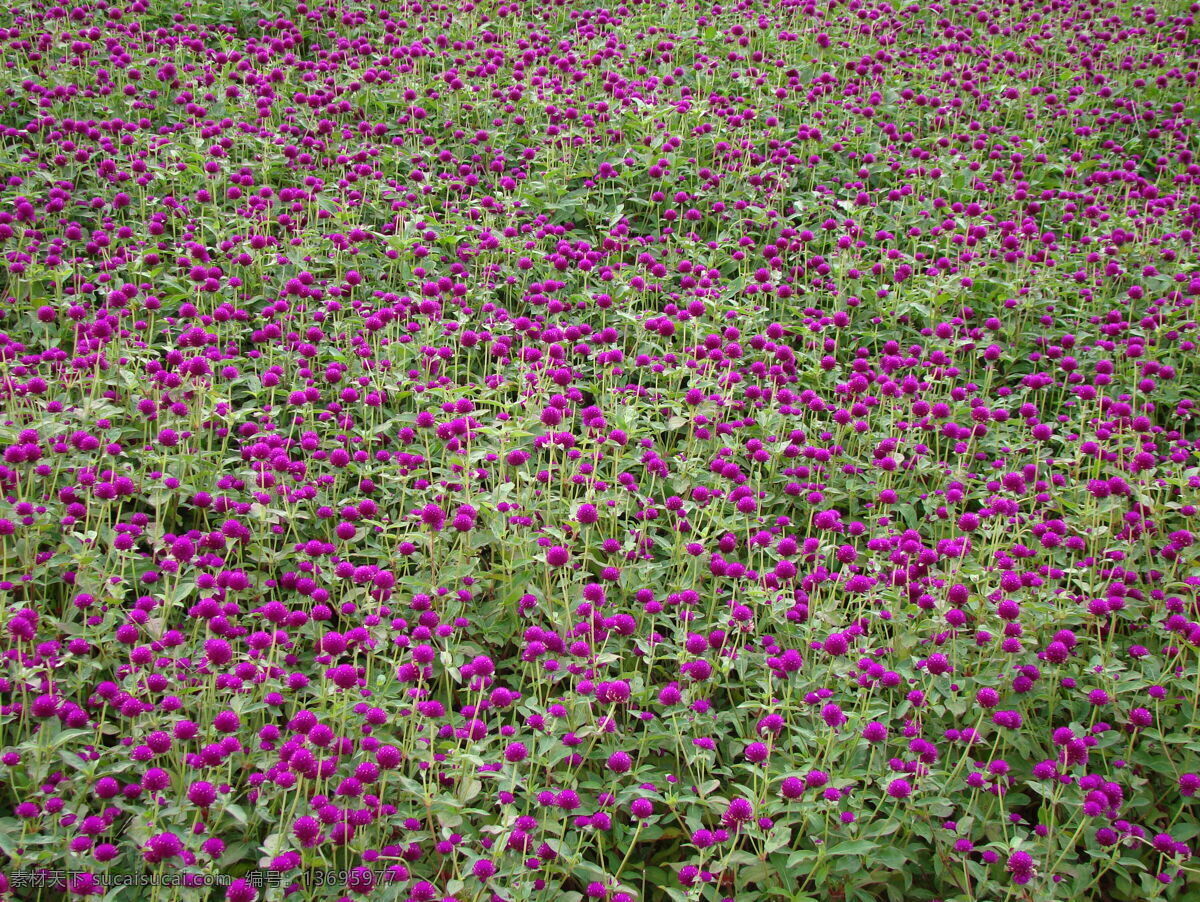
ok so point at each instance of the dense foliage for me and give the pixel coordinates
(668, 450)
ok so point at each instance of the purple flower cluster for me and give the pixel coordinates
(488, 451)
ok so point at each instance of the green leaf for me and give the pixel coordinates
(889, 856)
(237, 812)
(799, 858)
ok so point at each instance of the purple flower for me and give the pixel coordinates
(792, 788)
(757, 752)
(616, 692)
(306, 829)
(833, 715)
(433, 516)
(619, 762)
(202, 794)
(738, 812)
(875, 732)
(162, 847)
(1020, 865)
(227, 722)
(483, 870)
(899, 789)
(1008, 719)
(771, 724)
(241, 891)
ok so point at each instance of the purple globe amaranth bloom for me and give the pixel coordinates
(516, 752)
(483, 869)
(899, 789)
(162, 847)
(641, 808)
(738, 812)
(833, 715)
(202, 794)
(615, 692)
(241, 891)
(619, 762)
(875, 732)
(1020, 865)
(792, 788)
(307, 830)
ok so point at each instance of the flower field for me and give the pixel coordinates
(662, 451)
